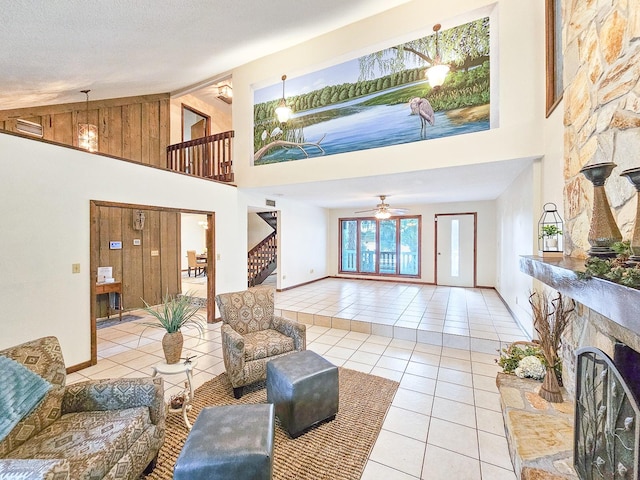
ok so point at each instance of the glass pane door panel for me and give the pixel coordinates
(409, 246)
(388, 246)
(349, 234)
(368, 238)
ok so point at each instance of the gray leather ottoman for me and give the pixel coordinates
(304, 388)
(234, 441)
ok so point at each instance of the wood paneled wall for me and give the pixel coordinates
(135, 128)
(143, 273)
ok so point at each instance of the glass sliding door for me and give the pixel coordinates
(409, 251)
(380, 247)
(349, 246)
(368, 246)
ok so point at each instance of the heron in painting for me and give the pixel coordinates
(422, 108)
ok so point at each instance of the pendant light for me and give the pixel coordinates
(87, 132)
(283, 112)
(437, 72)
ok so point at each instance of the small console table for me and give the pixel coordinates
(114, 287)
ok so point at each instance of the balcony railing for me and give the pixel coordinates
(206, 157)
(408, 262)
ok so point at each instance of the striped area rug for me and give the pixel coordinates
(335, 450)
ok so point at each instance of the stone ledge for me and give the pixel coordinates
(539, 433)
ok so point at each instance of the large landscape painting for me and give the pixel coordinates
(379, 99)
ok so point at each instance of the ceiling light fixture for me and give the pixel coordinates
(225, 93)
(382, 214)
(87, 132)
(437, 72)
(283, 112)
(383, 210)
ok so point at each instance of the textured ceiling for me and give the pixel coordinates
(53, 49)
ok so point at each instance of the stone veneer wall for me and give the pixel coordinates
(602, 110)
(589, 328)
(602, 124)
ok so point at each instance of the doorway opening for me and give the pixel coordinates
(195, 124)
(142, 245)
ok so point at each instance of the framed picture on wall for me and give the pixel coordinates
(555, 85)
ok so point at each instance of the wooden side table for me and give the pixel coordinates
(114, 287)
(175, 369)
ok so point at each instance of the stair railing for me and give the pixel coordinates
(261, 260)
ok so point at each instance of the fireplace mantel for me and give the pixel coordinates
(614, 301)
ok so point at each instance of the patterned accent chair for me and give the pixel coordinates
(89, 430)
(252, 335)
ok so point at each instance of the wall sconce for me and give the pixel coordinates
(138, 219)
(437, 72)
(283, 112)
(87, 133)
(225, 93)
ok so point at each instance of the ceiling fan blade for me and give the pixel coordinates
(366, 211)
(398, 210)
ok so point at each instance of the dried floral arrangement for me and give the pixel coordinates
(550, 318)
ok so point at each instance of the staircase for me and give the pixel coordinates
(262, 259)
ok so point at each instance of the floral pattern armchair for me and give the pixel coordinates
(252, 335)
(109, 429)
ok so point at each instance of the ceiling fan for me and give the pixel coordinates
(383, 210)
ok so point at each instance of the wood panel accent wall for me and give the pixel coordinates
(143, 273)
(135, 128)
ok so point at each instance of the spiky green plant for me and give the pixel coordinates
(174, 313)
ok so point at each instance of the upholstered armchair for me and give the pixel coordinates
(93, 429)
(252, 335)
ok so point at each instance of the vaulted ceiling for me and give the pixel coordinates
(118, 48)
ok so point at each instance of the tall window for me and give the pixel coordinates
(380, 247)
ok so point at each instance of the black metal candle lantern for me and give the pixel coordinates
(550, 230)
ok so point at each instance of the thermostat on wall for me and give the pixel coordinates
(115, 245)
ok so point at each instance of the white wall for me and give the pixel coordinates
(517, 47)
(192, 236)
(257, 230)
(486, 253)
(515, 233)
(44, 211)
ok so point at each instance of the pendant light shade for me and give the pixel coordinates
(87, 132)
(437, 72)
(283, 112)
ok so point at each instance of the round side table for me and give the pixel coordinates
(163, 368)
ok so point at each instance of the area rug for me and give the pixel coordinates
(335, 450)
(115, 320)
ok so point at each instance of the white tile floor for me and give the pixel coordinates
(445, 420)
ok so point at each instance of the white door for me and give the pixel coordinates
(455, 249)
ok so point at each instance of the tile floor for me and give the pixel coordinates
(445, 419)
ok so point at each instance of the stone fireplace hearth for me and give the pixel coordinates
(606, 319)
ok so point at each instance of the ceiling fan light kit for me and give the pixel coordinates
(383, 210)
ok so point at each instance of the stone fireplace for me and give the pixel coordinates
(606, 320)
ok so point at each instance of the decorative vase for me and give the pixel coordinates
(172, 346)
(550, 389)
(603, 231)
(550, 243)
(633, 175)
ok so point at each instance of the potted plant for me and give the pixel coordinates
(173, 314)
(549, 235)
